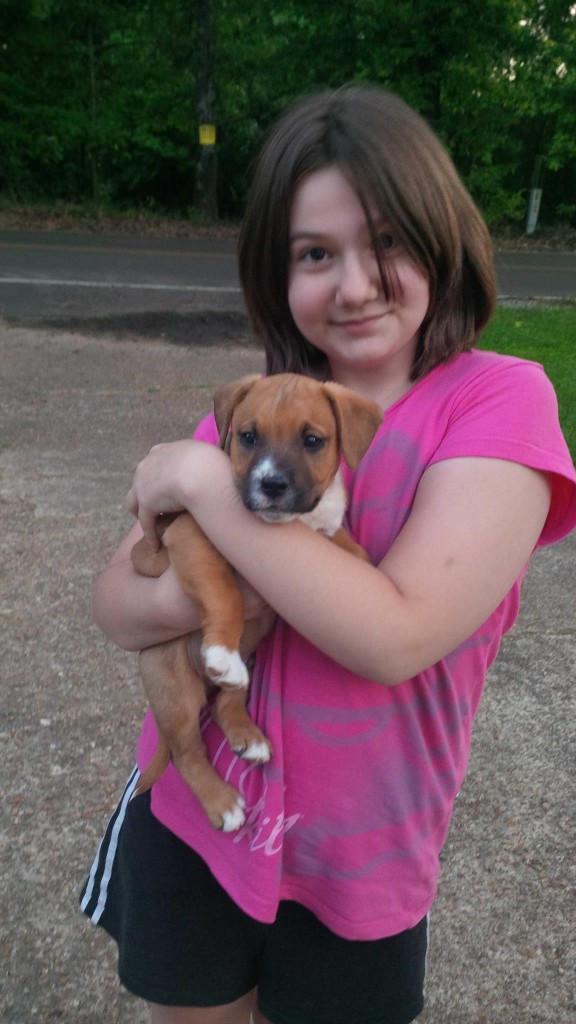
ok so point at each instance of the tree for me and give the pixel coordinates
(545, 80)
(102, 99)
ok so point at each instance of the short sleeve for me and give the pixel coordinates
(510, 411)
(207, 430)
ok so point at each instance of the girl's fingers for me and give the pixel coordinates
(147, 519)
(148, 524)
(131, 502)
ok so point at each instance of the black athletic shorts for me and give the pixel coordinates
(183, 942)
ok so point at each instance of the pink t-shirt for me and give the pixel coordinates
(351, 814)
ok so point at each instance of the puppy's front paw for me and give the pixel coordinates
(224, 666)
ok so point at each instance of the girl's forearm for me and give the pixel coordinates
(332, 598)
(473, 526)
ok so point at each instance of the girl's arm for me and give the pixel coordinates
(137, 612)
(473, 527)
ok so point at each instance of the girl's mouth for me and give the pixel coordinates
(358, 325)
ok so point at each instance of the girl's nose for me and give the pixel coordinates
(359, 280)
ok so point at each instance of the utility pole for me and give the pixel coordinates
(205, 195)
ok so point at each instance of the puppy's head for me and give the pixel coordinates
(286, 435)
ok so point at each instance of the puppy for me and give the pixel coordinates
(285, 435)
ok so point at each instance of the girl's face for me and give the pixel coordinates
(335, 292)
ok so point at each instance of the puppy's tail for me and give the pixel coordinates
(155, 769)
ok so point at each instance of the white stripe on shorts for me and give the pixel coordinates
(110, 855)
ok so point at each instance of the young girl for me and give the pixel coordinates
(363, 260)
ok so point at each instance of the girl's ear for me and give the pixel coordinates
(357, 420)
(226, 398)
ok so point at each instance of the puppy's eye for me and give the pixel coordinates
(313, 443)
(247, 438)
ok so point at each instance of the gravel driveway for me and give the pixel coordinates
(77, 414)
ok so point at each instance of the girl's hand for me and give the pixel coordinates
(164, 482)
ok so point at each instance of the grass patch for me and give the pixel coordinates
(547, 335)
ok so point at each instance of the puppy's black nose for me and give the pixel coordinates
(273, 485)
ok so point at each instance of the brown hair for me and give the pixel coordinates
(396, 166)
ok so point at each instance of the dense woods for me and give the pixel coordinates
(101, 100)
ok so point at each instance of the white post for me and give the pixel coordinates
(534, 197)
(533, 210)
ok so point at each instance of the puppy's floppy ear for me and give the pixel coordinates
(357, 419)
(226, 398)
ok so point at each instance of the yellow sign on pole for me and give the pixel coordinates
(207, 134)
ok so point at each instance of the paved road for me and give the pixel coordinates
(62, 275)
(65, 275)
(536, 275)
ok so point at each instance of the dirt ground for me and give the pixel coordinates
(77, 413)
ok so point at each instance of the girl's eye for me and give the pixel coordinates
(385, 242)
(247, 438)
(315, 255)
(313, 443)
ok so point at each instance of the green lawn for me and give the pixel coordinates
(546, 334)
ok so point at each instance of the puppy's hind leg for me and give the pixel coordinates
(176, 695)
(174, 692)
(243, 736)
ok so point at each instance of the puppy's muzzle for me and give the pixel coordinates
(272, 492)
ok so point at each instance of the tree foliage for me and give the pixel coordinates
(99, 98)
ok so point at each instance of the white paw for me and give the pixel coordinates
(258, 752)
(233, 820)
(224, 666)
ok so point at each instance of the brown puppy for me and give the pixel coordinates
(285, 435)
